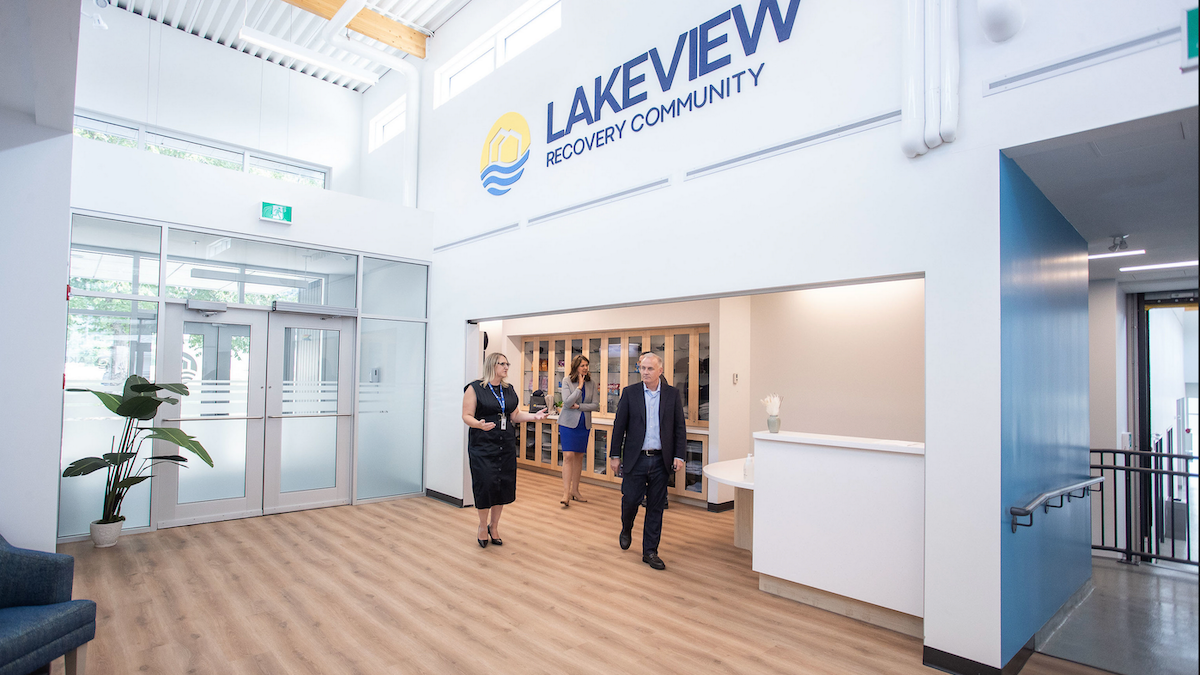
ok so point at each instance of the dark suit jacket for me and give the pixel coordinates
(629, 427)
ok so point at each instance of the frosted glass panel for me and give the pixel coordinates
(310, 371)
(308, 455)
(394, 288)
(216, 368)
(391, 410)
(107, 340)
(225, 441)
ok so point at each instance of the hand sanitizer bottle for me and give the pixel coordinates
(748, 470)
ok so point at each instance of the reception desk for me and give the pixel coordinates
(732, 472)
(839, 524)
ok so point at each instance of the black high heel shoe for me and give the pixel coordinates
(497, 542)
(484, 542)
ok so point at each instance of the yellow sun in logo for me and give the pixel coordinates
(505, 152)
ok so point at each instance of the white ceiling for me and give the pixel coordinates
(1138, 178)
(220, 21)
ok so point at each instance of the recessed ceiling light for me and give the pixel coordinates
(1164, 266)
(1118, 254)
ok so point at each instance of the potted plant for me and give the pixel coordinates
(138, 402)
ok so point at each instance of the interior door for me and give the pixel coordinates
(222, 360)
(309, 406)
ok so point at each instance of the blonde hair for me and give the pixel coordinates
(489, 366)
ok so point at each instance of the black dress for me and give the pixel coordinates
(493, 454)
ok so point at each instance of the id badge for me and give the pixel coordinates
(503, 422)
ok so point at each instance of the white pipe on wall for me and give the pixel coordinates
(948, 130)
(912, 103)
(933, 73)
(412, 81)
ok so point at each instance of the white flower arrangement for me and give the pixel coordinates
(772, 402)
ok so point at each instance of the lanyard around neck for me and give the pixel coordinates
(499, 397)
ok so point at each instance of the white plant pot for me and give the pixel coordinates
(105, 534)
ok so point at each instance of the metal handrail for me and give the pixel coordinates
(1043, 500)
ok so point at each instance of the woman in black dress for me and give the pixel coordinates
(490, 409)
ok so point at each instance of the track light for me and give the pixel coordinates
(1119, 243)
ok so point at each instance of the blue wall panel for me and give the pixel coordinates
(1044, 405)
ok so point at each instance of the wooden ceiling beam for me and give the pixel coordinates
(371, 24)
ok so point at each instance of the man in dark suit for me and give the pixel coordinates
(650, 435)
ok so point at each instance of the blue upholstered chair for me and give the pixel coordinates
(39, 621)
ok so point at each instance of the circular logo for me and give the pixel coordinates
(505, 151)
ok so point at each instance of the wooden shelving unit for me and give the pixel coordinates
(546, 359)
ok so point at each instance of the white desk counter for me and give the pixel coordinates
(732, 472)
(839, 518)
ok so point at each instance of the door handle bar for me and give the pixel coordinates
(205, 419)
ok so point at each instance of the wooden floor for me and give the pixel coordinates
(402, 587)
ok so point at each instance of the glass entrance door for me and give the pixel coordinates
(309, 403)
(271, 396)
(222, 360)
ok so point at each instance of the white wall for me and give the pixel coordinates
(848, 361)
(38, 46)
(383, 168)
(121, 182)
(849, 209)
(143, 71)
(731, 344)
(35, 172)
(1107, 357)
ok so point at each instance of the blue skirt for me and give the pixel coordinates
(575, 440)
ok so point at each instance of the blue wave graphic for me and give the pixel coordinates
(503, 174)
(497, 180)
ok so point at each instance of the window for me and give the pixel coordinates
(261, 166)
(516, 33)
(162, 142)
(388, 124)
(107, 132)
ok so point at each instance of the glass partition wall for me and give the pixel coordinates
(126, 315)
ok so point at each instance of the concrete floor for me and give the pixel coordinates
(1139, 620)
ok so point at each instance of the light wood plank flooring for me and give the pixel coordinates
(402, 587)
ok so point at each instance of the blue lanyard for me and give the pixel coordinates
(499, 397)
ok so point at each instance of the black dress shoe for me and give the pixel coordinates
(626, 540)
(496, 541)
(654, 561)
(482, 543)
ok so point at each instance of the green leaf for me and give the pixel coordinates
(130, 382)
(181, 439)
(174, 388)
(82, 467)
(110, 401)
(139, 407)
(118, 458)
(129, 482)
(169, 458)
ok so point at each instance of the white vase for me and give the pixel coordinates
(773, 423)
(105, 534)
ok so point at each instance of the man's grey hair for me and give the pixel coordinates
(652, 355)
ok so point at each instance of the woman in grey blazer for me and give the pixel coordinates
(580, 399)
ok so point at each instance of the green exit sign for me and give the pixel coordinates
(1191, 51)
(277, 213)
